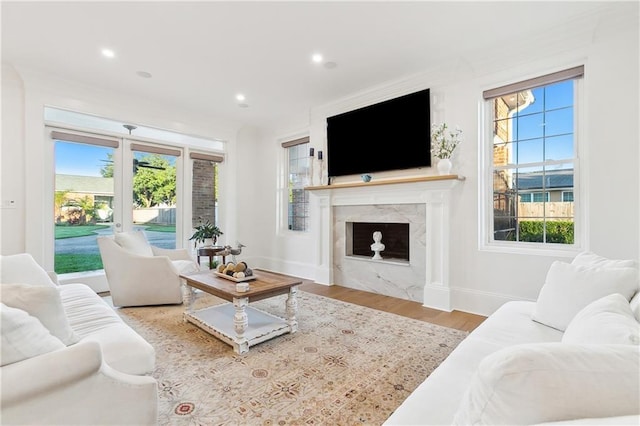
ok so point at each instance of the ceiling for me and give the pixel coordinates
(202, 54)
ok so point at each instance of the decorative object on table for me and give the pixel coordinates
(235, 271)
(228, 250)
(366, 178)
(206, 233)
(377, 245)
(443, 144)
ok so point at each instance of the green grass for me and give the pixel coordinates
(72, 231)
(65, 263)
(161, 228)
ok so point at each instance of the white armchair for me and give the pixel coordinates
(140, 274)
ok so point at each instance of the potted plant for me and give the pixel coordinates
(443, 143)
(206, 231)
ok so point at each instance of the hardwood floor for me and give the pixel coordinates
(456, 319)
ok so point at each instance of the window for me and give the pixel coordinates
(204, 188)
(299, 176)
(532, 160)
(567, 196)
(534, 197)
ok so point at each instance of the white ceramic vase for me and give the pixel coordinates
(444, 166)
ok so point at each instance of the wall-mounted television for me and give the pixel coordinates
(390, 135)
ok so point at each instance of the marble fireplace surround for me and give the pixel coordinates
(423, 202)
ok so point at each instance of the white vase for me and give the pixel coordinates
(444, 166)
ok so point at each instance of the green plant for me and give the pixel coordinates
(561, 231)
(444, 141)
(206, 230)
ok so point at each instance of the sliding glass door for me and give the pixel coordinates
(84, 198)
(97, 180)
(154, 193)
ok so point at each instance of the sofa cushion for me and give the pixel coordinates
(569, 288)
(22, 268)
(536, 383)
(634, 304)
(134, 242)
(588, 258)
(23, 336)
(43, 303)
(608, 320)
(92, 319)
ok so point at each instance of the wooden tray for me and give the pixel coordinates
(235, 280)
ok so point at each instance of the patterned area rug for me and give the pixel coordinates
(346, 365)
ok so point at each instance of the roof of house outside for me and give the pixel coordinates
(553, 179)
(85, 184)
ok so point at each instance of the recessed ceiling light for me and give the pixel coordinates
(108, 53)
(317, 58)
(240, 97)
(144, 74)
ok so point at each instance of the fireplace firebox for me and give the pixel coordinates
(395, 237)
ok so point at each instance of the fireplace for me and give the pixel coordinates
(395, 237)
(417, 271)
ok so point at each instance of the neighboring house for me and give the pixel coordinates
(92, 190)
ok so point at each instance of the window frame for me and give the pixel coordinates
(287, 146)
(485, 183)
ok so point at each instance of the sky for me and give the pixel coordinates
(86, 160)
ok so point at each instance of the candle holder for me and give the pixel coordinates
(311, 167)
(320, 172)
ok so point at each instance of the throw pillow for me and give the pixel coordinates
(22, 268)
(134, 242)
(185, 266)
(544, 382)
(23, 336)
(588, 258)
(569, 288)
(43, 303)
(608, 320)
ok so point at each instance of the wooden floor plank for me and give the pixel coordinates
(456, 319)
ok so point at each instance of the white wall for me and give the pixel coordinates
(483, 280)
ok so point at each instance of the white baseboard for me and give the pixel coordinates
(478, 302)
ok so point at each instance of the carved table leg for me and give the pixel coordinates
(292, 309)
(189, 298)
(241, 321)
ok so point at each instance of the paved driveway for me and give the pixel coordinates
(88, 244)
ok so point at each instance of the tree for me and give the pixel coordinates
(152, 187)
(60, 198)
(107, 170)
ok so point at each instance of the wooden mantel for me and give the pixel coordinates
(385, 182)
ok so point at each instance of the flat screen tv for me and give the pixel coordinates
(390, 135)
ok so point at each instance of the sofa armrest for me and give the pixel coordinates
(173, 254)
(74, 386)
(53, 276)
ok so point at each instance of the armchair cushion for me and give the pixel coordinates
(43, 303)
(134, 242)
(22, 268)
(23, 336)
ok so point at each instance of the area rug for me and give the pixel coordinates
(346, 365)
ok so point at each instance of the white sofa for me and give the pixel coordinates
(67, 357)
(516, 369)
